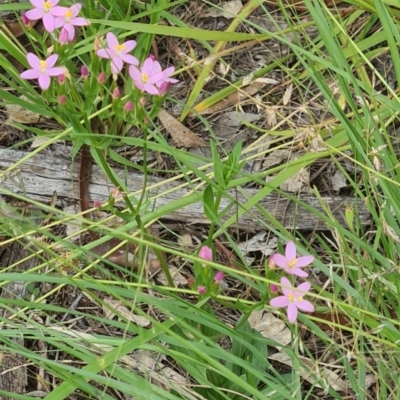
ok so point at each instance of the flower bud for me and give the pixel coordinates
(205, 253)
(219, 277)
(128, 107)
(101, 78)
(63, 37)
(97, 203)
(273, 288)
(26, 21)
(271, 263)
(116, 94)
(142, 101)
(84, 72)
(62, 100)
(61, 79)
(201, 290)
(163, 88)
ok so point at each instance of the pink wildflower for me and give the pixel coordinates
(273, 288)
(147, 77)
(201, 290)
(101, 78)
(219, 277)
(293, 299)
(84, 71)
(63, 37)
(128, 107)
(67, 19)
(205, 253)
(290, 264)
(61, 79)
(26, 21)
(118, 53)
(116, 94)
(44, 9)
(42, 69)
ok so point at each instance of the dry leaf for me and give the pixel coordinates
(177, 277)
(276, 157)
(229, 10)
(338, 181)
(182, 136)
(297, 182)
(287, 95)
(258, 243)
(16, 113)
(270, 327)
(185, 241)
(40, 140)
(233, 99)
(116, 308)
(312, 371)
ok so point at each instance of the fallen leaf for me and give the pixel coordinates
(311, 372)
(116, 308)
(16, 113)
(229, 10)
(297, 182)
(287, 95)
(270, 327)
(258, 243)
(177, 277)
(276, 157)
(182, 136)
(338, 181)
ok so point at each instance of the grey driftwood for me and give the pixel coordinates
(53, 170)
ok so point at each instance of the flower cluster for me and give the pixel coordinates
(149, 77)
(206, 253)
(292, 298)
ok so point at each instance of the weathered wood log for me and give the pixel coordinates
(54, 171)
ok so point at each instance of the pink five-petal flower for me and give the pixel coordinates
(43, 9)
(146, 78)
(206, 253)
(290, 263)
(118, 53)
(293, 299)
(67, 18)
(42, 69)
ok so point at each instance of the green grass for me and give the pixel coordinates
(330, 63)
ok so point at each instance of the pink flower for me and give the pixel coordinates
(273, 288)
(147, 77)
(219, 277)
(67, 19)
(84, 71)
(63, 37)
(44, 9)
(293, 299)
(116, 94)
(201, 290)
(101, 78)
(128, 107)
(42, 69)
(26, 21)
(118, 53)
(290, 264)
(205, 253)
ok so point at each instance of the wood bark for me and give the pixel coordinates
(53, 170)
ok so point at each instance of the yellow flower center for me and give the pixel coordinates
(46, 6)
(291, 297)
(68, 16)
(119, 48)
(145, 78)
(43, 67)
(292, 263)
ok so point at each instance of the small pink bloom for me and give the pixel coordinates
(128, 107)
(118, 53)
(44, 9)
(61, 79)
(96, 203)
(42, 70)
(293, 299)
(206, 253)
(290, 264)
(63, 37)
(67, 19)
(273, 288)
(146, 78)
(62, 100)
(201, 290)
(101, 78)
(116, 94)
(219, 277)
(163, 88)
(84, 71)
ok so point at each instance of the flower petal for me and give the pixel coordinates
(71, 31)
(129, 46)
(297, 271)
(287, 287)
(49, 22)
(290, 250)
(59, 11)
(135, 73)
(147, 66)
(56, 71)
(36, 3)
(151, 89)
(30, 74)
(79, 21)
(116, 65)
(302, 289)
(280, 301)
(33, 61)
(112, 40)
(51, 61)
(280, 260)
(44, 81)
(292, 313)
(156, 78)
(35, 14)
(130, 59)
(75, 9)
(105, 53)
(53, 2)
(169, 71)
(305, 305)
(304, 261)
